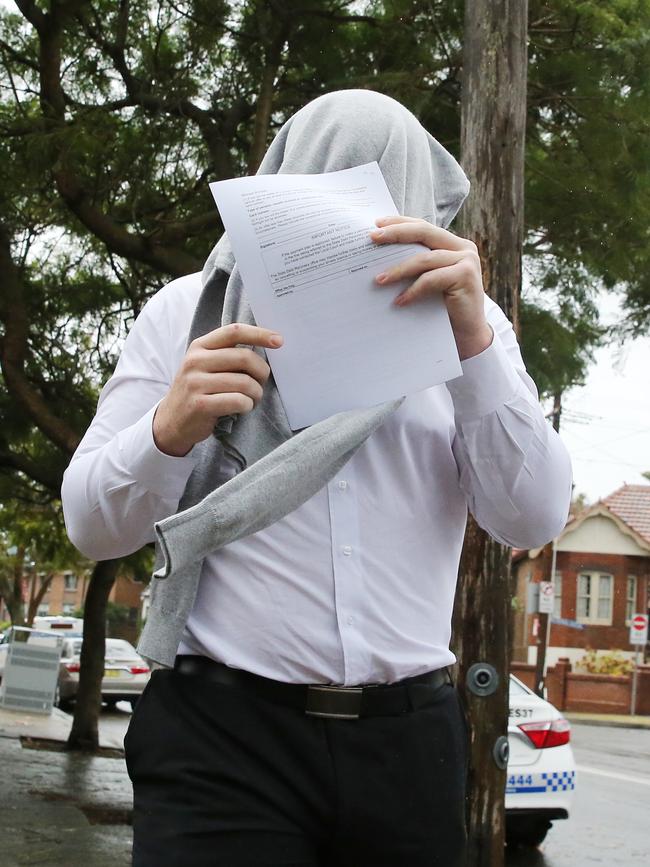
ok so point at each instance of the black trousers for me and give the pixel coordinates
(223, 778)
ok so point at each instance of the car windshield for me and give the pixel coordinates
(517, 689)
(116, 648)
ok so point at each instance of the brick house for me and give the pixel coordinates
(66, 593)
(602, 577)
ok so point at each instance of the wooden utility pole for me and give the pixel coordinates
(492, 154)
(549, 561)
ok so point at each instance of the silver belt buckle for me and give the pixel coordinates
(334, 702)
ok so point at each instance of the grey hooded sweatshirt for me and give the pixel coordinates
(281, 469)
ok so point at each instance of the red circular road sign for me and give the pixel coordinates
(639, 622)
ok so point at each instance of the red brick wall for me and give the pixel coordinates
(56, 595)
(570, 564)
(596, 693)
(127, 592)
(525, 673)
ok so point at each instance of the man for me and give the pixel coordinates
(305, 585)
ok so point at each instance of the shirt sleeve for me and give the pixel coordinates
(514, 470)
(118, 482)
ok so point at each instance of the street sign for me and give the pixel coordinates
(565, 621)
(546, 596)
(639, 629)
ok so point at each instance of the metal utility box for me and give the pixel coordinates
(31, 671)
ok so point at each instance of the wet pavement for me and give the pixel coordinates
(61, 809)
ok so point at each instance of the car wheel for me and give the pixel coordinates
(63, 704)
(529, 831)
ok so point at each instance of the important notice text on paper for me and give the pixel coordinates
(308, 265)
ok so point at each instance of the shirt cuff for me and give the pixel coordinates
(161, 474)
(488, 382)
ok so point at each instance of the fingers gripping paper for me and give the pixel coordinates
(308, 265)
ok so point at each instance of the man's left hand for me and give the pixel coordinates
(450, 267)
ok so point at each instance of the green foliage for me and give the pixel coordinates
(38, 533)
(588, 164)
(114, 117)
(556, 349)
(116, 615)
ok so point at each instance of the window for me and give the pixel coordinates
(595, 598)
(118, 648)
(43, 610)
(68, 608)
(517, 689)
(69, 581)
(557, 595)
(630, 600)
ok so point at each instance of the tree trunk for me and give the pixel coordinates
(36, 596)
(13, 588)
(557, 410)
(264, 105)
(14, 603)
(84, 734)
(492, 154)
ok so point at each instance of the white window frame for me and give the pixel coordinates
(68, 609)
(630, 598)
(594, 598)
(70, 576)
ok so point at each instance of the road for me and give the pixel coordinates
(114, 722)
(609, 821)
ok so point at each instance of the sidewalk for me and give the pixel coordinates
(610, 719)
(57, 808)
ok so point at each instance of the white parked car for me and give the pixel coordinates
(541, 768)
(125, 673)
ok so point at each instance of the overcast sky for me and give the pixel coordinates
(606, 425)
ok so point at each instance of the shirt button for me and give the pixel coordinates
(350, 621)
(343, 485)
(347, 550)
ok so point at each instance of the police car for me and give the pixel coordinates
(541, 768)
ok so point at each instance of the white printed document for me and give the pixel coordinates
(308, 265)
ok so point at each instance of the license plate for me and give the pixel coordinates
(112, 672)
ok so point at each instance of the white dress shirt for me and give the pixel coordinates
(357, 585)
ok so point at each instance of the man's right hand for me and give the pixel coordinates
(217, 377)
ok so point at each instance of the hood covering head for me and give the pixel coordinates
(350, 128)
(336, 131)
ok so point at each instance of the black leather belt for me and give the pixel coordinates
(332, 702)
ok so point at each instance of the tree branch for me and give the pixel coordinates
(36, 471)
(36, 17)
(17, 55)
(264, 105)
(13, 353)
